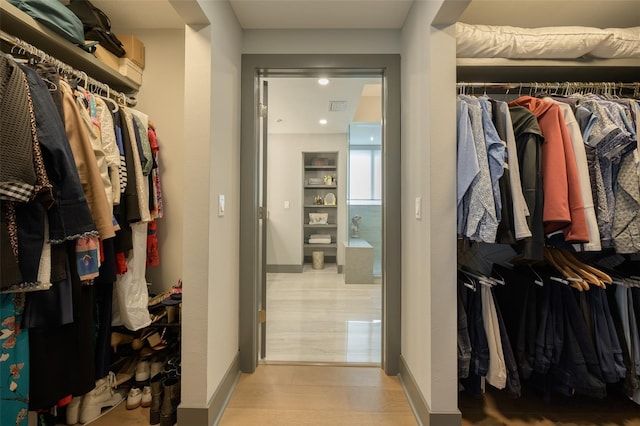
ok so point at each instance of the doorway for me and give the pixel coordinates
(253, 232)
(323, 219)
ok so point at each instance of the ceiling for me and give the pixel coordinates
(297, 104)
(127, 15)
(265, 14)
(545, 13)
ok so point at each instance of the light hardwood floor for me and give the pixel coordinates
(317, 395)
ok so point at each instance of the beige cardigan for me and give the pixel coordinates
(86, 164)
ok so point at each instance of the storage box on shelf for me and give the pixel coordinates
(134, 48)
(130, 70)
(107, 58)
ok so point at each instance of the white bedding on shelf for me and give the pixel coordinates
(566, 42)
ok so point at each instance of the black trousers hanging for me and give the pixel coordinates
(62, 357)
(103, 291)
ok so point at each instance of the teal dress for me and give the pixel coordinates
(14, 361)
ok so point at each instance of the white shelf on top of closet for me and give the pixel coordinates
(19, 24)
(525, 70)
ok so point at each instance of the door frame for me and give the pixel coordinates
(388, 66)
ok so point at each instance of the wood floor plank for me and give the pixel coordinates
(290, 397)
(377, 400)
(340, 376)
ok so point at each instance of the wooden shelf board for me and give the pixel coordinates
(547, 70)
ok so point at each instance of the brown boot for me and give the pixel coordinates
(169, 410)
(156, 399)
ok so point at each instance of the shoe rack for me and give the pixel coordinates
(145, 372)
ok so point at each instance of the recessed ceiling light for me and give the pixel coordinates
(323, 81)
(371, 138)
(323, 121)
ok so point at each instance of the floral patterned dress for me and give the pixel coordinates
(14, 361)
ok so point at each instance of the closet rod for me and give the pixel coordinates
(89, 82)
(552, 85)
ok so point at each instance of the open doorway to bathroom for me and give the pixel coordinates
(255, 312)
(322, 188)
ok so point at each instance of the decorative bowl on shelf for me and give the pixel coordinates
(318, 218)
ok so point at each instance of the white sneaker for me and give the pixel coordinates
(103, 395)
(143, 371)
(134, 398)
(146, 397)
(73, 410)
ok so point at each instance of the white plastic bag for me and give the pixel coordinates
(130, 295)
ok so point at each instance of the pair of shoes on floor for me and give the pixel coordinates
(83, 409)
(139, 398)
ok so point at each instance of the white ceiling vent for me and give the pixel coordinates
(337, 106)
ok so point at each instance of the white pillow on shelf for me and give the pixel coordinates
(490, 41)
(621, 43)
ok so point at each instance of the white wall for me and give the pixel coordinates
(321, 41)
(164, 63)
(211, 167)
(198, 273)
(284, 183)
(428, 245)
(224, 245)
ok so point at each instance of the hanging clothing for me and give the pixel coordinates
(467, 164)
(14, 361)
(563, 205)
(577, 144)
(18, 176)
(69, 216)
(141, 184)
(497, 372)
(512, 189)
(529, 141)
(482, 220)
(86, 165)
(110, 149)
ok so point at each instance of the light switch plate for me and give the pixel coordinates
(220, 205)
(418, 207)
